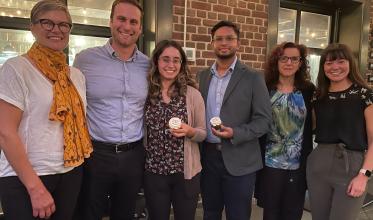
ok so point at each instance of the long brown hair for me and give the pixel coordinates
(272, 73)
(333, 52)
(183, 78)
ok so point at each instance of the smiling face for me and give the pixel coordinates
(125, 25)
(289, 62)
(169, 64)
(337, 70)
(225, 43)
(53, 39)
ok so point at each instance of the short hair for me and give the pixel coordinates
(183, 79)
(225, 23)
(48, 5)
(131, 2)
(333, 52)
(271, 71)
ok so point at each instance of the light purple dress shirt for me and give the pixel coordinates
(116, 93)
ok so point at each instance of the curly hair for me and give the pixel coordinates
(271, 70)
(333, 52)
(183, 79)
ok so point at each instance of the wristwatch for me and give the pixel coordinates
(367, 173)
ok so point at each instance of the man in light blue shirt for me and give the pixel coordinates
(231, 154)
(116, 92)
(216, 92)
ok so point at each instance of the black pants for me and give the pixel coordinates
(64, 189)
(284, 192)
(161, 191)
(114, 175)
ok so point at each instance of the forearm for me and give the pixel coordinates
(14, 151)
(368, 160)
(199, 134)
(261, 115)
(248, 132)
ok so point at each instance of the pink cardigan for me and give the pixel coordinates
(196, 119)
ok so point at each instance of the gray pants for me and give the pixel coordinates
(330, 168)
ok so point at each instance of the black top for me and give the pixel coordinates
(340, 117)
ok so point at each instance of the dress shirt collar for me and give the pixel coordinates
(230, 69)
(112, 52)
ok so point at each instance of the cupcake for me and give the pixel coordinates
(174, 123)
(215, 123)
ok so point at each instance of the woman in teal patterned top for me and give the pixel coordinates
(289, 141)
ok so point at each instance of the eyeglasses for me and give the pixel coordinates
(228, 39)
(48, 25)
(284, 59)
(169, 60)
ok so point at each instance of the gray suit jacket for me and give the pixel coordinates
(246, 108)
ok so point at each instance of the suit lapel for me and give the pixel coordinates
(235, 78)
(205, 82)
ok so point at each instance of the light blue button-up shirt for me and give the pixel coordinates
(218, 85)
(116, 93)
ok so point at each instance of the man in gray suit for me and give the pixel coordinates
(231, 155)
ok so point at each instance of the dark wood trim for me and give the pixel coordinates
(90, 30)
(272, 31)
(14, 23)
(364, 43)
(164, 19)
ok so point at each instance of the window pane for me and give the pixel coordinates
(96, 12)
(16, 8)
(79, 43)
(314, 30)
(14, 43)
(313, 63)
(286, 25)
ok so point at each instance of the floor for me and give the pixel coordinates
(257, 213)
(366, 212)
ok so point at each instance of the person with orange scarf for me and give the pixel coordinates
(43, 132)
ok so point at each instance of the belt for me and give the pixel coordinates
(115, 147)
(215, 146)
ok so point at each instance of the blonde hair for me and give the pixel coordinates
(48, 5)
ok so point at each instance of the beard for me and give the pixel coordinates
(225, 56)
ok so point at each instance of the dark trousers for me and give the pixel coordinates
(284, 192)
(222, 190)
(114, 175)
(161, 191)
(64, 189)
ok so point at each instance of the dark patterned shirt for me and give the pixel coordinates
(340, 117)
(164, 152)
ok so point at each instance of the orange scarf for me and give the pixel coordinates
(67, 106)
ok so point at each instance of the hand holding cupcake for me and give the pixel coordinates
(180, 129)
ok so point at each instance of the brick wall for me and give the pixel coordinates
(250, 15)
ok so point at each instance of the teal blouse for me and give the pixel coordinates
(284, 140)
